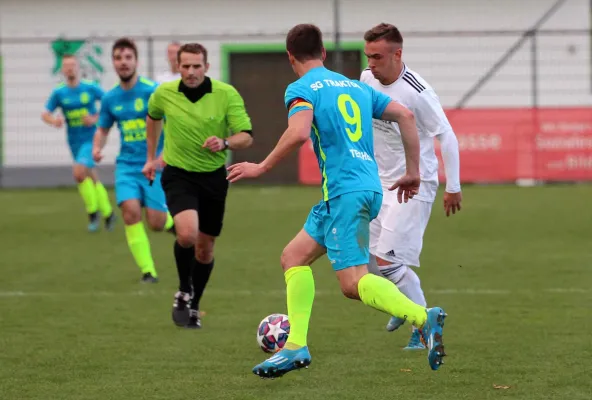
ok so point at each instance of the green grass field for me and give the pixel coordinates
(513, 270)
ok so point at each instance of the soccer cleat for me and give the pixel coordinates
(283, 362)
(148, 278)
(110, 222)
(431, 336)
(415, 341)
(181, 309)
(194, 320)
(93, 224)
(394, 324)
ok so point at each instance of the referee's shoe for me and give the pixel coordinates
(181, 309)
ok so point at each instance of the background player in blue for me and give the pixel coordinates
(337, 113)
(127, 104)
(77, 100)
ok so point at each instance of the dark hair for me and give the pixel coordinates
(383, 31)
(68, 55)
(193, 48)
(125, 43)
(305, 42)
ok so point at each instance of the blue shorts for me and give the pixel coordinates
(342, 226)
(82, 153)
(131, 184)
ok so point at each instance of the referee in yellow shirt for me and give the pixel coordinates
(204, 118)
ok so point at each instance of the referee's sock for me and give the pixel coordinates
(200, 276)
(185, 259)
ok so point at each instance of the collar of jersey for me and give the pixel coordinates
(194, 94)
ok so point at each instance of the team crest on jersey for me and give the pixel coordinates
(139, 105)
(84, 98)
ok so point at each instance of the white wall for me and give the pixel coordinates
(451, 64)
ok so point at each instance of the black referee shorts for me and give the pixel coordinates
(204, 192)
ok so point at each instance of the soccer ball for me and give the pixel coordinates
(273, 332)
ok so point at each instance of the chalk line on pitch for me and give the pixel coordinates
(247, 293)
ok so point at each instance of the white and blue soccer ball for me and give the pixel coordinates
(272, 333)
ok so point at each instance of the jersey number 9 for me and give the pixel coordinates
(354, 118)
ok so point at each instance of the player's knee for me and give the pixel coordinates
(79, 174)
(186, 237)
(204, 249)
(131, 215)
(288, 259)
(156, 224)
(349, 289)
(204, 255)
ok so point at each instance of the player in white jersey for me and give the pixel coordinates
(396, 235)
(173, 71)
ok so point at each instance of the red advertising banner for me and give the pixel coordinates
(505, 145)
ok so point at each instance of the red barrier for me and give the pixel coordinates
(504, 145)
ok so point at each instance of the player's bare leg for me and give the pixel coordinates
(186, 228)
(296, 259)
(137, 239)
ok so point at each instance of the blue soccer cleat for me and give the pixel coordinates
(431, 336)
(415, 341)
(394, 324)
(283, 362)
(93, 226)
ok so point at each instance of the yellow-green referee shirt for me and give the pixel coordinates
(217, 110)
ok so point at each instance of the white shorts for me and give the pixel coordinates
(396, 235)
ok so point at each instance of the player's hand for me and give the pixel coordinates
(160, 163)
(452, 202)
(214, 143)
(88, 120)
(97, 154)
(244, 170)
(408, 187)
(58, 122)
(149, 169)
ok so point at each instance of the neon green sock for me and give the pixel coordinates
(300, 293)
(169, 222)
(383, 295)
(139, 245)
(104, 204)
(86, 188)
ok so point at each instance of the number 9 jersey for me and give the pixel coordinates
(341, 133)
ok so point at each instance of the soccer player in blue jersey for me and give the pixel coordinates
(127, 105)
(337, 113)
(77, 100)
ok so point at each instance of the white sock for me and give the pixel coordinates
(406, 280)
(410, 286)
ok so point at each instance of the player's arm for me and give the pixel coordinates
(239, 122)
(154, 124)
(300, 117)
(50, 106)
(433, 121)
(297, 133)
(105, 122)
(400, 114)
(92, 119)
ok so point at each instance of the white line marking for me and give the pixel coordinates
(281, 293)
